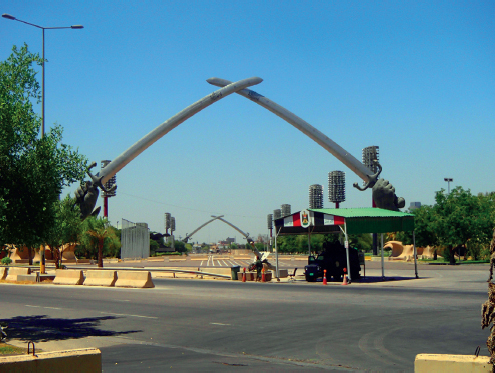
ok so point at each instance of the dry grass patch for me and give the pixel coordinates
(6, 350)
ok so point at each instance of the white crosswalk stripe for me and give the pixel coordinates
(216, 262)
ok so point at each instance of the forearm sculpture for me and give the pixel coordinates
(87, 194)
(383, 192)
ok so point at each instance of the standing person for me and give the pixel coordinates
(259, 266)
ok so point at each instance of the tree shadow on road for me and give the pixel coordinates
(41, 328)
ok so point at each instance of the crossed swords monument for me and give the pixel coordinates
(383, 192)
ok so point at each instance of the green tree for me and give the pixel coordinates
(98, 239)
(362, 241)
(286, 244)
(154, 246)
(34, 170)
(189, 247)
(67, 227)
(180, 246)
(478, 247)
(461, 217)
(156, 241)
(425, 228)
(259, 246)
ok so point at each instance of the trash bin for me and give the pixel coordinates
(361, 258)
(234, 271)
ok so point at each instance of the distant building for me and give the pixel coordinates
(230, 240)
(414, 205)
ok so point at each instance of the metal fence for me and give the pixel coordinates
(135, 240)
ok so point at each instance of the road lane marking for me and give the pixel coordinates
(219, 323)
(51, 308)
(124, 314)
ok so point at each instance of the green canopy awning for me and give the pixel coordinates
(357, 220)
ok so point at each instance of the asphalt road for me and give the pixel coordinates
(224, 325)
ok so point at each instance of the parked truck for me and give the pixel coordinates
(334, 259)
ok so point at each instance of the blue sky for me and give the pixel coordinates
(415, 78)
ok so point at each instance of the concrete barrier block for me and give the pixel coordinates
(27, 278)
(219, 271)
(100, 278)
(16, 271)
(68, 277)
(251, 276)
(134, 279)
(3, 272)
(239, 276)
(451, 363)
(282, 273)
(79, 360)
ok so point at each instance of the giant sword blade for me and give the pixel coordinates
(86, 194)
(331, 146)
(126, 157)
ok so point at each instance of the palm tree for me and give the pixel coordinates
(99, 231)
(100, 236)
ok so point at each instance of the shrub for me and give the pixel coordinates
(6, 261)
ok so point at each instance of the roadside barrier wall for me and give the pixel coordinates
(16, 271)
(80, 360)
(28, 278)
(100, 278)
(219, 271)
(68, 277)
(134, 279)
(426, 363)
(250, 276)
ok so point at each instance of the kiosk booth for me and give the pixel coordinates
(347, 221)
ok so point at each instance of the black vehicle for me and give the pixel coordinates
(334, 260)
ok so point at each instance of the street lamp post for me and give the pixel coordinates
(8, 16)
(448, 180)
